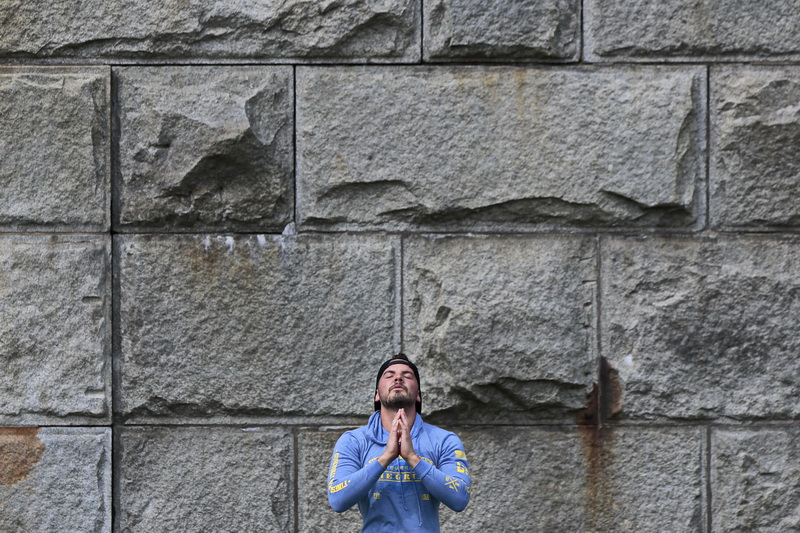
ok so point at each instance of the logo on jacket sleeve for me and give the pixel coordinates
(336, 488)
(452, 482)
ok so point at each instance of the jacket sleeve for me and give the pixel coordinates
(448, 481)
(348, 479)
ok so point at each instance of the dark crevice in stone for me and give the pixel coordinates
(158, 407)
(544, 210)
(541, 399)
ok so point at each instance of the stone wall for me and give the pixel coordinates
(579, 217)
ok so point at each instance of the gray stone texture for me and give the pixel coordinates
(692, 30)
(54, 148)
(350, 30)
(544, 30)
(206, 479)
(755, 161)
(55, 480)
(254, 326)
(313, 460)
(500, 149)
(571, 479)
(703, 328)
(755, 479)
(205, 147)
(55, 332)
(501, 328)
(217, 218)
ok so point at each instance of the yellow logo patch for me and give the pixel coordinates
(461, 455)
(452, 483)
(339, 487)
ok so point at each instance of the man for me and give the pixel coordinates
(398, 468)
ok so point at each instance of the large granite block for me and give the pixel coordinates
(501, 328)
(500, 149)
(313, 459)
(755, 161)
(55, 331)
(54, 147)
(254, 326)
(205, 148)
(206, 479)
(544, 30)
(55, 480)
(703, 328)
(573, 479)
(288, 30)
(755, 479)
(691, 30)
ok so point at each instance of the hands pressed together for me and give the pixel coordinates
(399, 442)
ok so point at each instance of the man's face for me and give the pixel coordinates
(397, 387)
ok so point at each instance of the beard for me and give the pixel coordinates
(397, 400)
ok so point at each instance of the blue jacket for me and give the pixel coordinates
(398, 498)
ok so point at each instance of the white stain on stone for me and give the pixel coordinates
(628, 360)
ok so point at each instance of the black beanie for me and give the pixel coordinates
(400, 359)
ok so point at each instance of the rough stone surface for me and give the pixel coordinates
(501, 327)
(206, 479)
(703, 328)
(501, 30)
(755, 479)
(693, 30)
(216, 30)
(564, 479)
(54, 135)
(55, 480)
(206, 147)
(55, 332)
(314, 455)
(254, 326)
(496, 149)
(755, 162)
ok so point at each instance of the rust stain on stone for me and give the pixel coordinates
(20, 451)
(597, 444)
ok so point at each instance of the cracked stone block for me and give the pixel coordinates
(206, 148)
(54, 139)
(242, 326)
(206, 479)
(502, 329)
(755, 163)
(55, 480)
(500, 148)
(314, 455)
(755, 479)
(691, 30)
(629, 479)
(545, 30)
(703, 328)
(55, 330)
(288, 30)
